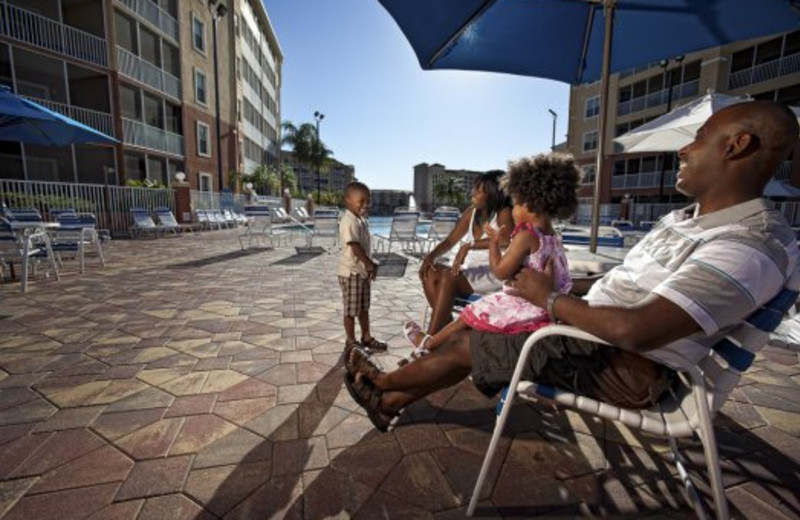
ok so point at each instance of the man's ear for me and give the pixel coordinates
(741, 145)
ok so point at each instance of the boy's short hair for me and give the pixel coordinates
(355, 185)
(544, 183)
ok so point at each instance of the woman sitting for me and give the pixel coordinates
(469, 272)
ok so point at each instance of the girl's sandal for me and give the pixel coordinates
(359, 364)
(417, 353)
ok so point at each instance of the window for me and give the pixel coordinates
(742, 59)
(588, 173)
(204, 181)
(590, 141)
(592, 107)
(198, 34)
(200, 92)
(203, 148)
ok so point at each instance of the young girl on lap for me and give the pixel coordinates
(542, 188)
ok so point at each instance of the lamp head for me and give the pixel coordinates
(552, 112)
(180, 176)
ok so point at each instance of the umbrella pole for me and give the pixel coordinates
(609, 6)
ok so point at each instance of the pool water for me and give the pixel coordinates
(377, 226)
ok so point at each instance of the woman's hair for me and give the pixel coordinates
(496, 199)
(544, 183)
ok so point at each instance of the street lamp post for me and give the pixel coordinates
(318, 116)
(670, 76)
(553, 138)
(217, 11)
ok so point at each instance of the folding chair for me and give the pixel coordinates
(702, 390)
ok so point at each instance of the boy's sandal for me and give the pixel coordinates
(349, 345)
(375, 344)
(368, 397)
(359, 364)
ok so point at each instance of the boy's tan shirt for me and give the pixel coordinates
(353, 228)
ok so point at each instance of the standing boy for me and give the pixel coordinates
(356, 268)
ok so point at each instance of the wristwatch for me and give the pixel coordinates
(551, 300)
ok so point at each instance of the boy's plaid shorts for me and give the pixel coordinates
(355, 294)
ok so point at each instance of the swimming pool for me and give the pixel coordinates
(377, 226)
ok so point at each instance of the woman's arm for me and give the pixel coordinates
(504, 266)
(506, 223)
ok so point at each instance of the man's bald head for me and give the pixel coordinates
(773, 125)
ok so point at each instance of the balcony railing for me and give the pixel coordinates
(139, 134)
(766, 71)
(156, 16)
(784, 172)
(101, 121)
(658, 98)
(142, 71)
(52, 35)
(643, 180)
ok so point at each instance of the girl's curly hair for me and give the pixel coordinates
(544, 183)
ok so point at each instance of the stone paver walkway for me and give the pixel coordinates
(190, 380)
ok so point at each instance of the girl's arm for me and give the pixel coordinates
(505, 266)
(506, 223)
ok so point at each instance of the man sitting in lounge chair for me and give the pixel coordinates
(690, 281)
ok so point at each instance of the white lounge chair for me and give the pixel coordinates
(687, 411)
(260, 227)
(143, 224)
(326, 224)
(444, 220)
(403, 231)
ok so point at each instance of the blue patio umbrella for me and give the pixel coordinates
(24, 121)
(571, 40)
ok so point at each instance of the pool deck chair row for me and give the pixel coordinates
(403, 231)
(260, 227)
(687, 410)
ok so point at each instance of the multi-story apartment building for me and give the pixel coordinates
(143, 72)
(333, 175)
(257, 81)
(426, 176)
(764, 68)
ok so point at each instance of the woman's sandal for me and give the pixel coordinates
(368, 397)
(359, 365)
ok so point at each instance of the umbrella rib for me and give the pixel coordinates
(452, 40)
(586, 33)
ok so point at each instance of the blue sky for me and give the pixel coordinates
(384, 114)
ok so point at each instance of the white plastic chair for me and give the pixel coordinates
(76, 234)
(24, 248)
(687, 411)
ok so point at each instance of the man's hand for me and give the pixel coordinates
(372, 270)
(533, 285)
(459, 259)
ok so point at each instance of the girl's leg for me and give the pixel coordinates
(440, 337)
(450, 286)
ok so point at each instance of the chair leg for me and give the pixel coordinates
(507, 400)
(697, 502)
(100, 253)
(709, 441)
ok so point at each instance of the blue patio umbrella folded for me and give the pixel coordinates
(579, 41)
(24, 121)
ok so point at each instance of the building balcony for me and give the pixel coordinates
(157, 17)
(658, 98)
(784, 172)
(765, 71)
(31, 28)
(136, 133)
(643, 180)
(100, 121)
(145, 72)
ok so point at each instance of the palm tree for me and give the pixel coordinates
(259, 177)
(448, 190)
(306, 145)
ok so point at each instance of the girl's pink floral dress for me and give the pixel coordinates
(508, 314)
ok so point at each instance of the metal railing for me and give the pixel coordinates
(145, 72)
(765, 71)
(41, 31)
(658, 98)
(155, 15)
(784, 172)
(110, 204)
(139, 134)
(101, 121)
